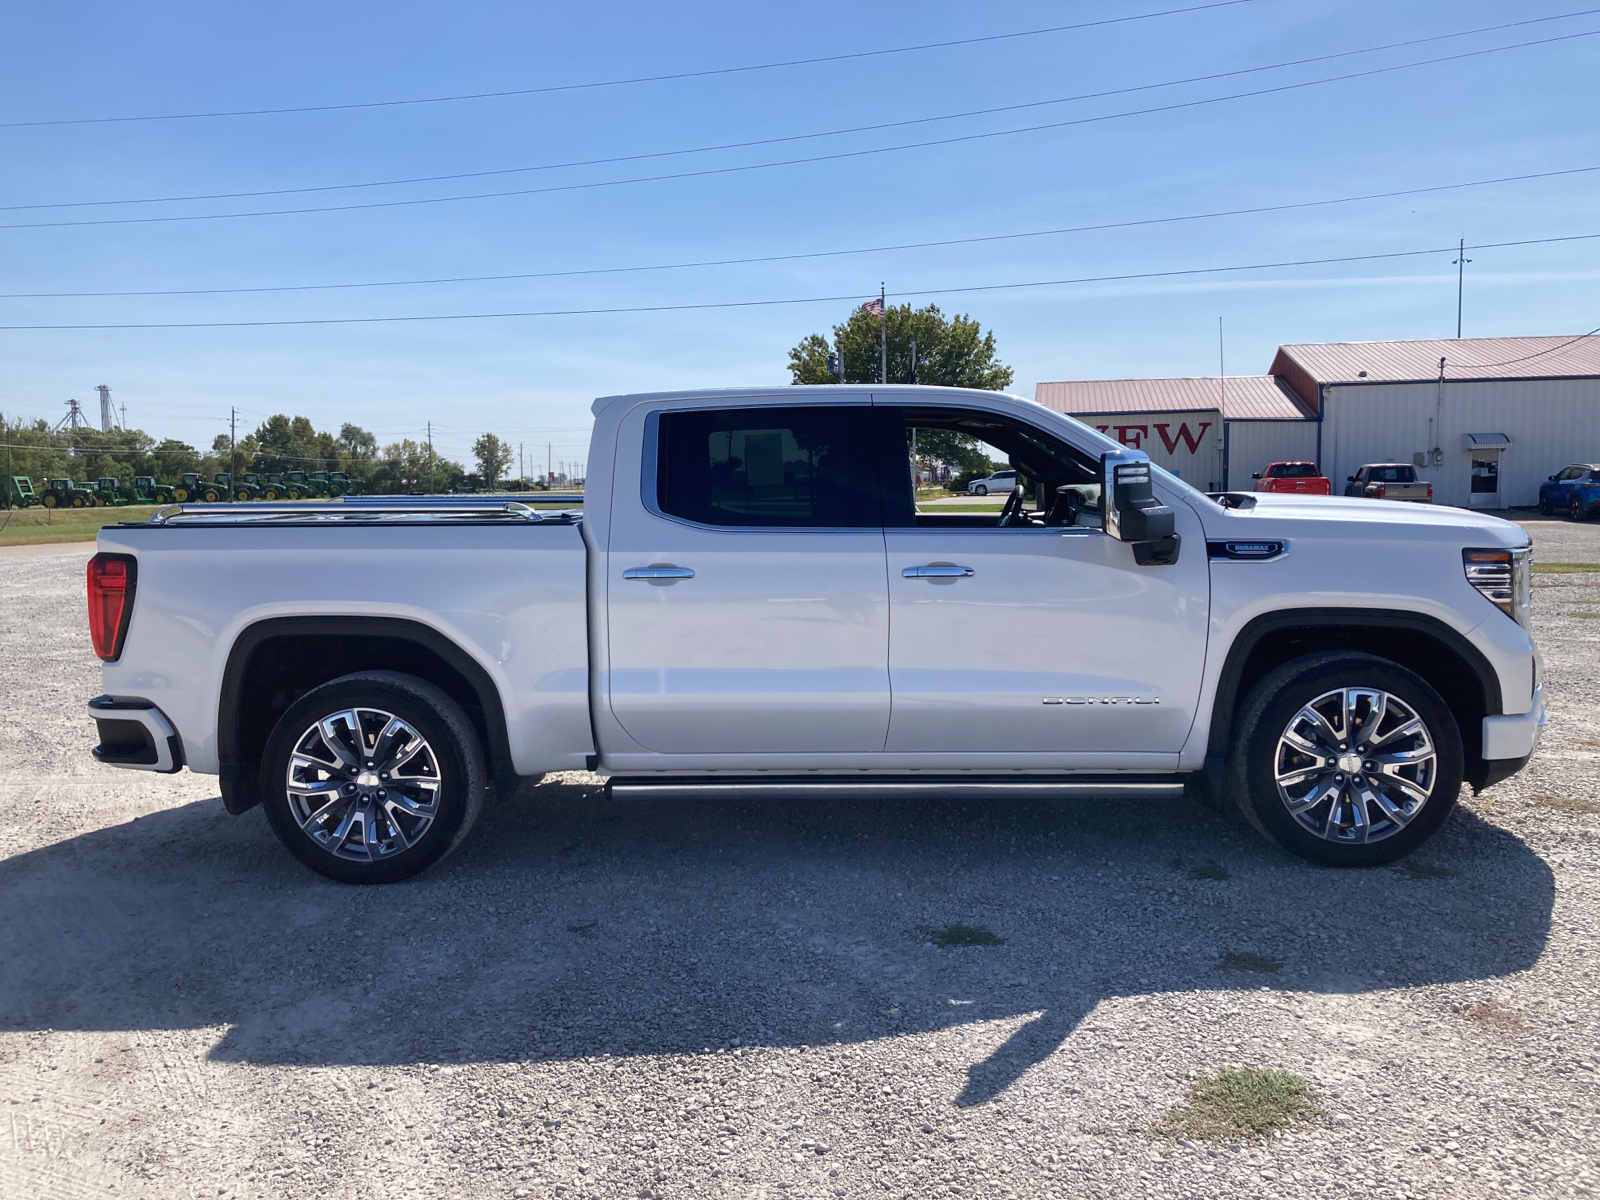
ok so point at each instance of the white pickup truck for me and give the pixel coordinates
(752, 602)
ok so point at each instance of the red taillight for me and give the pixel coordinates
(111, 580)
(1383, 491)
(1430, 493)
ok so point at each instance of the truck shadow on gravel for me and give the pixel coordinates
(570, 926)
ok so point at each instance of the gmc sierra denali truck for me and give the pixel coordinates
(751, 603)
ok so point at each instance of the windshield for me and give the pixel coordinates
(1391, 474)
(1293, 471)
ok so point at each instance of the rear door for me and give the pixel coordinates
(1038, 639)
(745, 587)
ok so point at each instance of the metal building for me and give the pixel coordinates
(1485, 420)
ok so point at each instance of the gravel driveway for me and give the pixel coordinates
(689, 1000)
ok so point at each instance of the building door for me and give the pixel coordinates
(1485, 489)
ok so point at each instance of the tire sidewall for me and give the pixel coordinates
(428, 710)
(1267, 712)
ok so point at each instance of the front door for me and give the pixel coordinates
(1485, 491)
(1043, 638)
(747, 604)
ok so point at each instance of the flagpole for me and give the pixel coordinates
(883, 336)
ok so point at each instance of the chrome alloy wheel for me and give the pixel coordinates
(363, 784)
(1355, 765)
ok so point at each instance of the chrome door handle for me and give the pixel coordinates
(938, 571)
(658, 571)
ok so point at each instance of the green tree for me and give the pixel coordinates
(953, 352)
(493, 456)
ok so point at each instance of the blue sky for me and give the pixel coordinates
(1521, 111)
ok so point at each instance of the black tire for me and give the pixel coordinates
(980, 490)
(50, 500)
(457, 755)
(79, 502)
(209, 495)
(270, 494)
(1575, 509)
(1264, 718)
(1545, 507)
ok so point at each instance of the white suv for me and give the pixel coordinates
(1000, 481)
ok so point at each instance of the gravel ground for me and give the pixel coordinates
(643, 999)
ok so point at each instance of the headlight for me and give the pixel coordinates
(1504, 579)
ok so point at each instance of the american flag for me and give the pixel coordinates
(873, 308)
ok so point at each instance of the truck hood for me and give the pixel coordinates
(1284, 514)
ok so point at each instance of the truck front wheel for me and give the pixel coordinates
(372, 777)
(1346, 759)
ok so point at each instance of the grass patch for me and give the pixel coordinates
(1419, 870)
(1243, 1105)
(38, 526)
(963, 935)
(1210, 870)
(966, 508)
(1566, 804)
(1492, 1017)
(1540, 568)
(1241, 960)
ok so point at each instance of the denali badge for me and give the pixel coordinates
(1102, 699)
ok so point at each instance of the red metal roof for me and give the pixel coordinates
(1416, 361)
(1246, 397)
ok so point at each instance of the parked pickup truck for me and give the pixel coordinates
(750, 604)
(1389, 481)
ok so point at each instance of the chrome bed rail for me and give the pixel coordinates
(368, 513)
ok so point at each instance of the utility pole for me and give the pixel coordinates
(1460, 265)
(913, 360)
(883, 336)
(549, 465)
(233, 453)
(522, 475)
(432, 484)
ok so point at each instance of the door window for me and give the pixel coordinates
(1486, 474)
(804, 467)
(945, 447)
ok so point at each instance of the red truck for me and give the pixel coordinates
(1295, 478)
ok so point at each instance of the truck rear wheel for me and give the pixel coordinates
(372, 777)
(1346, 759)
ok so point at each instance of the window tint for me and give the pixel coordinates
(797, 467)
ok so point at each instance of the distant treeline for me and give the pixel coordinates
(281, 444)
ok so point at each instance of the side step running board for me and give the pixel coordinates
(935, 787)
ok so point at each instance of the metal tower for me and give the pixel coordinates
(108, 414)
(73, 419)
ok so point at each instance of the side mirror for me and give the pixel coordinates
(1255, 475)
(1552, 479)
(1349, 478)
(1130, 510)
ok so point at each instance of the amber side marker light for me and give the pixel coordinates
(111, 586)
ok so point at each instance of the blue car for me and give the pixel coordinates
(1575, 491)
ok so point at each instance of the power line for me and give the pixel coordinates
(847, 154)
(797, 137)
(813, 254)
(1510, 362)
(727, 304)
(639, 79)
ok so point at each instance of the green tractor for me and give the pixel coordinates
(192, 487)
(307, 485)
(146, 490)
(20, 493)
(282, 487)
(341, 484)
(64, 493)
(109, 492)
(248, 486)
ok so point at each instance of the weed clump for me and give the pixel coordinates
(1240, 1105)
(1568, 804)
(963, 935)
(1490, 1016)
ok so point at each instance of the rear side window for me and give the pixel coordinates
(1392, 475)
(778, 467)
